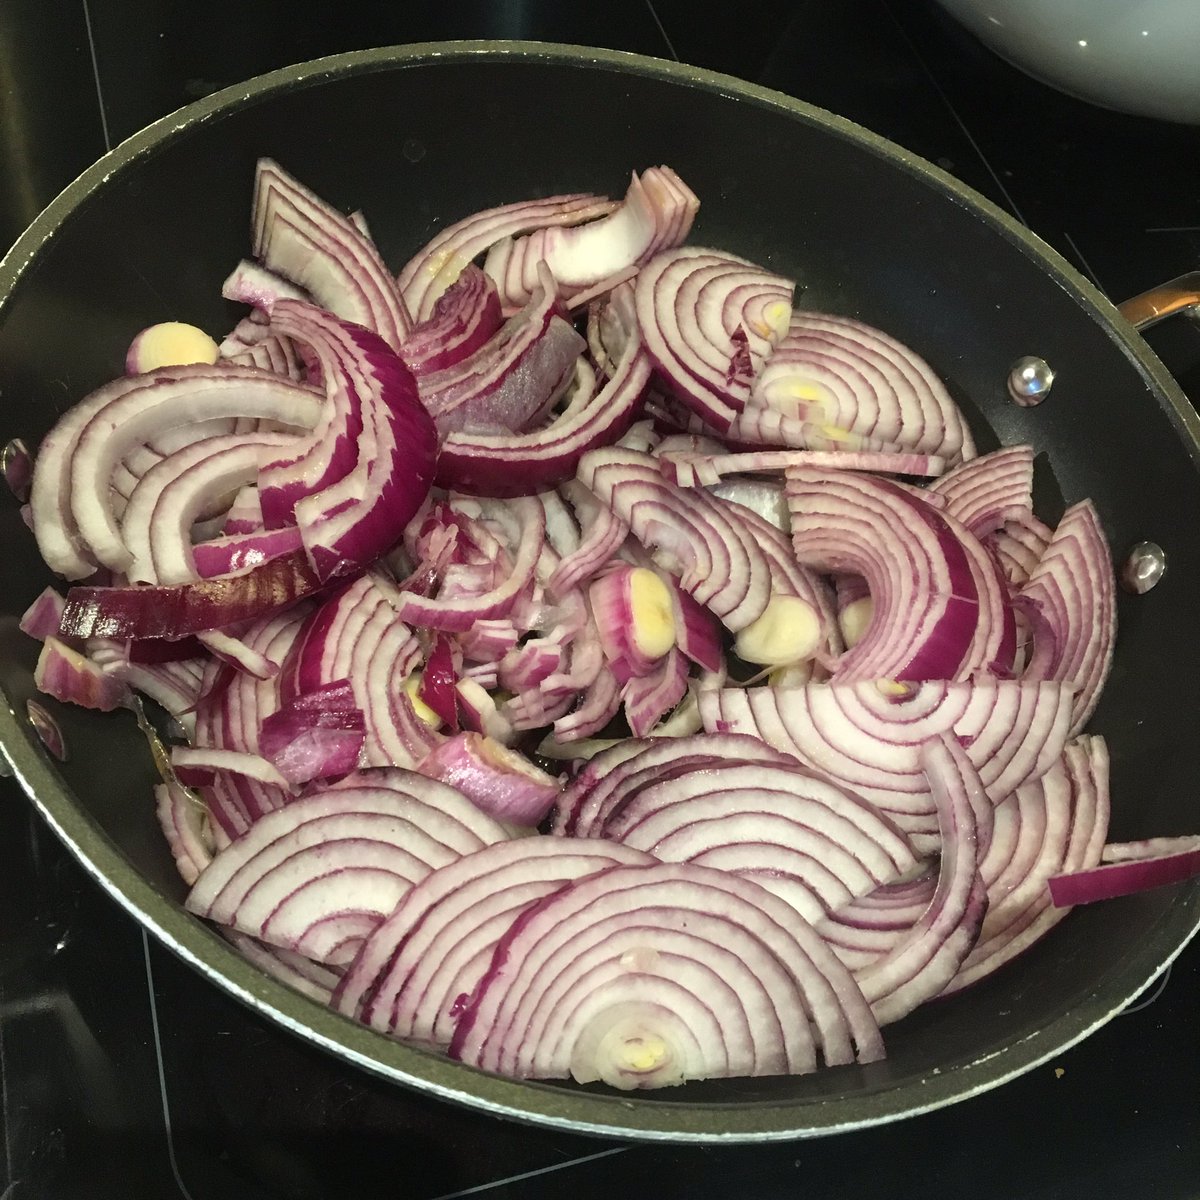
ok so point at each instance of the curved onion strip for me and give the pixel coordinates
(184, 823)
(708, 320)
(706, 470)
(439, 263)
(688, 534)
(82, 450)
(361, 514)
(524, 1020)
(929, 954)
(1074, 794)
(868, 739)
(1019, 546)
(312, 979)
(168, 499)
(299, 236)
(437, 944)
(526, 463)
(926, 601)
(458, 615)
(656, 214)
(1073, 592)
(986, 492)
(465, 317)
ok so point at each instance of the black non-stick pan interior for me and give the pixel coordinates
(415, 139)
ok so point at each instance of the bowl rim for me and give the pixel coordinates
(574, 1110)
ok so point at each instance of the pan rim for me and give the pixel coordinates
(541, 1104)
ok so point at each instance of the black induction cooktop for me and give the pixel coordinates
(124, 1074)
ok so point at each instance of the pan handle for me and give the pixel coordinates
(1176, 295)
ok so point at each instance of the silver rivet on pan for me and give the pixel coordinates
(1029, 381)
(16, 464)
(1143, 568)
(46, 727)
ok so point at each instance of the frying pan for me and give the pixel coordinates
(421, 135)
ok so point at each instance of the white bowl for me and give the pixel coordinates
(1139, 56)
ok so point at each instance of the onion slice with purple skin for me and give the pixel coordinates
(319, 874)
(439, 263)
(647, 976)
(499, 781)
(656, 214)
(314, 740)
(69, 676)
(648, 698)
(411, 976)
(362, 511)
(73, 518)
(311, 979)
(709, 320)
(185, 825)
(927, 605)
(1071, 600)
(466, 316)
(594, 794)
(854, 377)
(986, 492)
(1069, 810)
(301, 237)
(526, 463)
(927, 957)
(1130, 868)
(814, 844)
(868, 738)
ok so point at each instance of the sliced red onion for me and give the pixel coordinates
(412, 974)
(527, 463)
(510, 379)
(991, 490)
(238, 762)
(184, 822)
(604, 785)
(72, 512)
(634, 613)
(644, 976)
(44, 616)
(479, 712)
(1071, 597)
(854, 377)
(156, 526)
(318, 875)
(648, 698)
(707, 470)
(359, 512)
(251, 283)
(174, 686)
(926, 601)
(656, 214)
(1019, 546)
(439, 681)
(687, 532)
(602, 534)
(438, 264)
(465, 317)
(312, 979)
(458, 615)
(708, 321)
(1135, 868)
(306, 740)
(599, 702)
(927, 957)
(1058, 825)
(180, 610)
(497, 780)
(811, 843)
(69, 676)
(764, 499)
(868, 737)
(299, 236)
